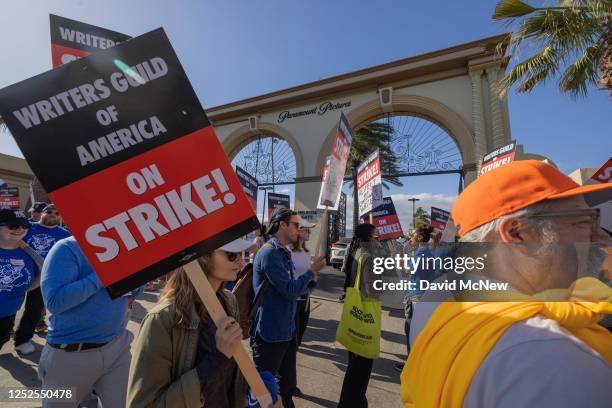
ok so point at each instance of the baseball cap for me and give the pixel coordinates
(238, 245)
(38, 206)
(304, 223)
(510, 188)
(277, 215)
(49, 207)
(13, 217)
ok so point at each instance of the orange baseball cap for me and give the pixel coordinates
(511, 187)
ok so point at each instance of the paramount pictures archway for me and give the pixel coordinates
(453, 88)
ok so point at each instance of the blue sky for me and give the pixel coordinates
(237, 49)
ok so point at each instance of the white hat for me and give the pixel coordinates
(237, 245)
(304, 223)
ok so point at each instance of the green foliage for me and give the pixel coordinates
(421, 217)
(570, 39)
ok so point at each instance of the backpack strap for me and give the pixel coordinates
(259, 298)
(264, 288)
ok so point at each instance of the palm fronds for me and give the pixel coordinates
(572, 38)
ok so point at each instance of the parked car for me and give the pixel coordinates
(338, 252)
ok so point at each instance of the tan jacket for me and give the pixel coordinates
(162, 372)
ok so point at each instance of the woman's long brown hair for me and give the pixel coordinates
(179, 291)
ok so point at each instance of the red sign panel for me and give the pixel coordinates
(604, 174)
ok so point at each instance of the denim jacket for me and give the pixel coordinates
(274, 319)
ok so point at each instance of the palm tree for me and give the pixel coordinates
(421, 217)
(574, 39)
(375, 135)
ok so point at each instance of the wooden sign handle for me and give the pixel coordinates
(217, 313)
(322, 231)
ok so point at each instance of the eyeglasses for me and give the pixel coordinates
(593, 213)
(14, 227)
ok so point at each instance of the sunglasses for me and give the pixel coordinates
(231, 256)
(52, 212)
(14, 227)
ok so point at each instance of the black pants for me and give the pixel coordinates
(32, 314)
(6, 325)
(279, 359)
(409, 308)
(302, 316)
(355, 384)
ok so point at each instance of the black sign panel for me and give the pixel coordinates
(82, 36)
(277, 201)
(249, 183)
(49, 114)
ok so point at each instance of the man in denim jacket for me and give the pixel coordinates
(273, 329)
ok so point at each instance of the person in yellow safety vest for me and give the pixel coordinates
(530, 352)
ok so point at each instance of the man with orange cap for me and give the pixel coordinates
(531, 351)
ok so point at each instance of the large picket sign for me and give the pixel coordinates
(439, 218)
(335, 167)
(386, 221)
(71, 39)
(369, 184)
(123, 147)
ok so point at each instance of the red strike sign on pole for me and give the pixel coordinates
(139, 176)
(386, 221)
(71, 39)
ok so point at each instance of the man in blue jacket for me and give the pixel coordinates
(273, 329)
(88, 346)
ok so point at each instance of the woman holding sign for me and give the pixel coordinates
(180, 358)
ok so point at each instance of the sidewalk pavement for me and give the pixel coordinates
(321, 361)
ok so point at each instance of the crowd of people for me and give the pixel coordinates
(534, 352)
